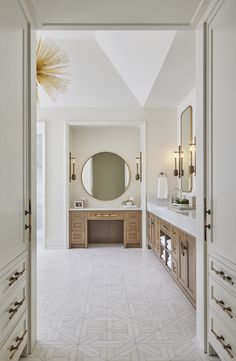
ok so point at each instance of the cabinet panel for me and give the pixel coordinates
(11, 276)
(13, 110)
(191, 266)
(12, 308)
(221, 338)
(17, 340)
(223, 303)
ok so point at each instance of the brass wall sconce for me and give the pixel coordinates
(138, 175)
(178, 170)
(72, 174)
(192, 150)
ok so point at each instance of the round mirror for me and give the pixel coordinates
(105, 176)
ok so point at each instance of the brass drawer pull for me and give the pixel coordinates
(221, 303)
(17, 305)
(221, 339)
(15, 277)
(223, 276)
(15, 348)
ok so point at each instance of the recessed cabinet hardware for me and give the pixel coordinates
(223, 276)
(15, 348)
(17, 305)
(27, 227)
(208, 212)
(15, 277)
(221, 303)
(27, 212)
(221, 339)
(207, 226)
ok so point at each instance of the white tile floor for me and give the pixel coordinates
(111, 303)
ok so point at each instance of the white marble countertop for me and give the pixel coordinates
(107, 209)
(185, 220)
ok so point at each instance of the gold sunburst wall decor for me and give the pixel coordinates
(51, 67)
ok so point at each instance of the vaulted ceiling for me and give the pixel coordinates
(125, 68)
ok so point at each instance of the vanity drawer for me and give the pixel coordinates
(12, 309)
(16, 342)
(133, 214)
(105, 215)
(165, 227)
(12, 275)
(174, 233)
(221, 338)
(75, 215)
(223, 302)
(78, 239)
(225, 275)
(77, 225)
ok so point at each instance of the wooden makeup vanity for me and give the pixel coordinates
(105, 226)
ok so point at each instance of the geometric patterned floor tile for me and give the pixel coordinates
(111, 304)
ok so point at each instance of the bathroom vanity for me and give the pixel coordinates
(174, 246)
(105, 226)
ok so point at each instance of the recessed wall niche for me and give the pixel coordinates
(86, 141)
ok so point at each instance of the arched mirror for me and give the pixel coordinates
(105, 176)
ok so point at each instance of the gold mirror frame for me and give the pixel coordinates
(186, 136)
(113, 177)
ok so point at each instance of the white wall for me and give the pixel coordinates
(87, 141)
(55, 184)
(161, 138)
(189, 100)
(160, 143)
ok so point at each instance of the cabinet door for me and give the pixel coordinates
(151, 225)
(191, 266)
(13, 139)
(221, 170)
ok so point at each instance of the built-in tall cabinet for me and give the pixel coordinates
(14, 222)
(221, 180)
(176, 250)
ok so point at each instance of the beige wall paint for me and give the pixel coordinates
(87, 141)
(161, 142)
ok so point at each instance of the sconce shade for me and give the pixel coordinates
(162, 186)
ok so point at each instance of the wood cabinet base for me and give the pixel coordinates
(177, 252)
(105, 227)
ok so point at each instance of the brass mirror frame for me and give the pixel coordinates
(90, 193)
(186, 153)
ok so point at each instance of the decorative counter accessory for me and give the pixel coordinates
(129, 202)
(162, 186)
(78, 204)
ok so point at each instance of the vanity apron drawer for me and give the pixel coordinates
(12, 275)
(16, 342)
(106, 215)
(12, 309)
(221, 338)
